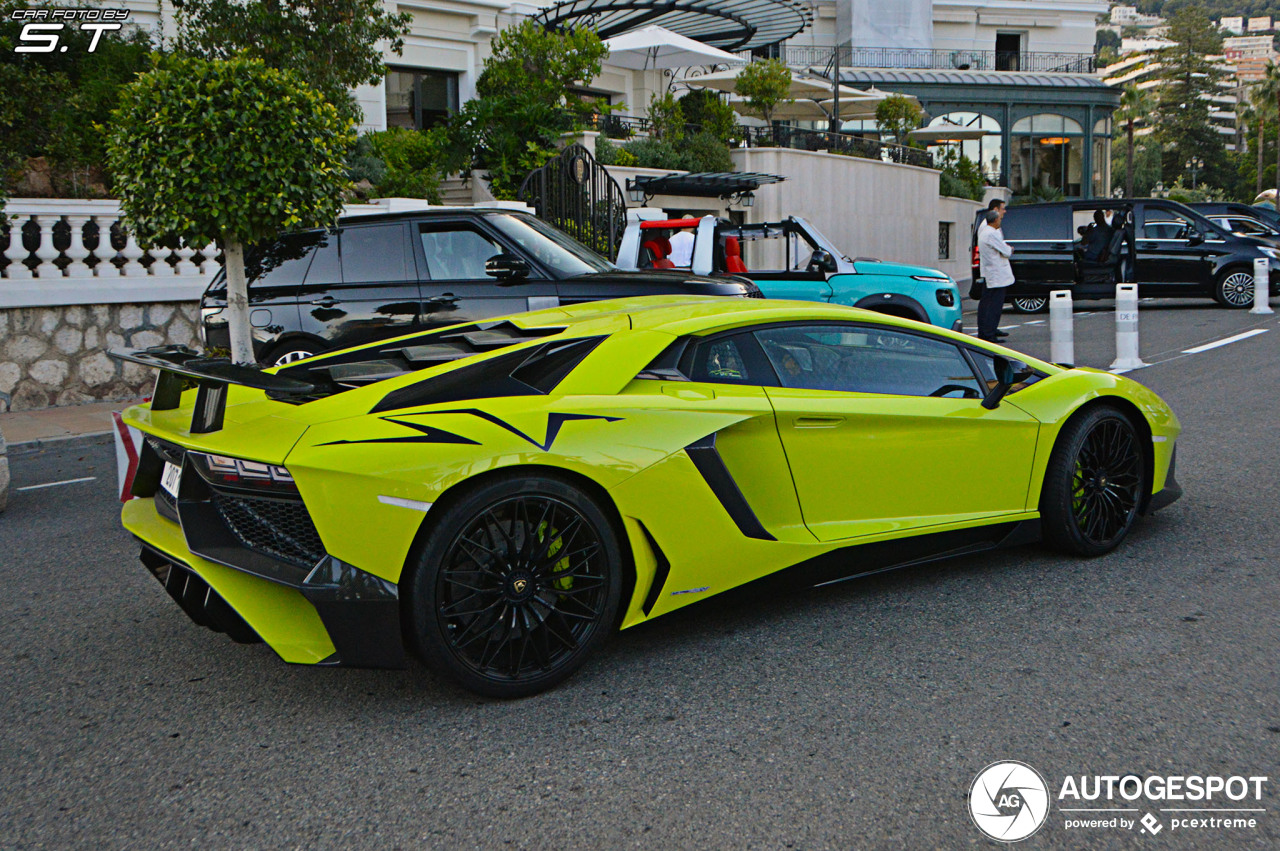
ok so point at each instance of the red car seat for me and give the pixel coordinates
(657, 256)
(733, 257)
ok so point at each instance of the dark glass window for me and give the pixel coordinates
(866, 359)
(373, 253)
(456, 252)
(326, 265)
(722, 362)
(418, 99)
(1037, 222)
(282, 262)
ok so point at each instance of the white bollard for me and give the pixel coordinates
(1127, 328)
(1062, 335)
(1261, 286)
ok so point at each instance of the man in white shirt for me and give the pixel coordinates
(682, 248)
(993, 263)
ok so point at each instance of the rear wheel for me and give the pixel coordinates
(1093, 486)
(520, 582)
(1030, 303)
(1234, 288)
(293, 350)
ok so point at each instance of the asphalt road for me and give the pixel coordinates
(851, 717)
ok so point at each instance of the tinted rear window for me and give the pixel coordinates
(283, 262)
(1048, 223)
(373, 253)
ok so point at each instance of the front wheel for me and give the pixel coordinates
(1030, 303)
(520, 582)
(1234, 288)
(1093, 485)
(294, 350)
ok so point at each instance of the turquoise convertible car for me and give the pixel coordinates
(792, 259)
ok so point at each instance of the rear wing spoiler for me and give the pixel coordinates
(180, 366)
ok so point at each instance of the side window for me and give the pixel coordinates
(326, 263)
(724, 361)
(1049, 224)
(373, 253)
(282, 262)
(1166, 224)
(866, 359)
(456, 251)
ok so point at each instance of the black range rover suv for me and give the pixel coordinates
(1166, 248)
(385, 274)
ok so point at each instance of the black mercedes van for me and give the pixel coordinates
(1166, 248)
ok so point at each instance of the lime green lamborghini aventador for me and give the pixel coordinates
(499, 497)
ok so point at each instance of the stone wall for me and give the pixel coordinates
(57, 355)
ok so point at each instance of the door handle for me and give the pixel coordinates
(1149, 246)
(327, 301)
(818, 422)
(1058, 246)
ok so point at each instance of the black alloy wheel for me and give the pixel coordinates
(522, 581)
(1030, 303)
(1234, 288)
(294, 350)
(1093, 486)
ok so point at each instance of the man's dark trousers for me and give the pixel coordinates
(989, 308)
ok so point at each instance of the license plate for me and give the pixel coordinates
(170, 479)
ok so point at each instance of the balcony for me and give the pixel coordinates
(923, 59)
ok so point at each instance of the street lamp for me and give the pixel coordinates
(1194, 165)
(636, 192)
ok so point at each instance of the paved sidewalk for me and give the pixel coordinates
(55, 424)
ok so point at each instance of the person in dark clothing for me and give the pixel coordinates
(1097, 237)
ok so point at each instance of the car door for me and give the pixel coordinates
(361, 285)
(885, 431)
(779, 264)
(1042, 242)
(1173, 252)
(451, 255)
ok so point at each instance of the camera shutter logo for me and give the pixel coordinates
(1009, 801)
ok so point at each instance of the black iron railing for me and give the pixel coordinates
(938, 60)
(837, 143)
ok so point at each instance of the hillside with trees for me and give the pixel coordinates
(1215, 9)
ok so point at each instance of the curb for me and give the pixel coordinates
(70, 441)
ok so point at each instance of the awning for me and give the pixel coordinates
(942, 135)
(708, 184)
(657, 47)
(726, 24)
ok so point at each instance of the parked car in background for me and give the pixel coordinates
(1242, 225)
(1212, 209)
(381, 275)
(1168, 249)
(792, 259)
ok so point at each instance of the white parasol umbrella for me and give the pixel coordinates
(656, 47)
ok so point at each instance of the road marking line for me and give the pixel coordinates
(1237, 338)
(56, 484)
(1036, 322)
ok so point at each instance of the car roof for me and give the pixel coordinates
(431, 212)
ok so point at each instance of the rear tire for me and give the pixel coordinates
(1094, 484)
(519, 583)
(1234, 288)
(293, 350)
(1029, 303)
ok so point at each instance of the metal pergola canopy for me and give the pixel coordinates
(726, 24)
(708, 184)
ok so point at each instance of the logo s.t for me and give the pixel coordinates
(1009, 801)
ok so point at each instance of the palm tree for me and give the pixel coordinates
(1135, 103)
(1265, 94)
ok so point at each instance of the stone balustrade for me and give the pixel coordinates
(62, 252)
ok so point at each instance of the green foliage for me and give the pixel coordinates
(1148, 167)
(1135, 104)
(411, 161)
(1106, 40)
(705, 109)
(331, 44)
(608, 153)
(50, 102)
(961, 177)
(898, 116)
(654, 153)
(363, 163)
(766, 84)
(666, 118)
(522, 110)
(540, 64)
(1182, 111)
(703, 151)
(1183, 194)
(229, 150)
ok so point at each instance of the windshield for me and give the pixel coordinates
(556, 250)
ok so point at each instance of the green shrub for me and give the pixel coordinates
(625, 158)
(704, 151)
(961, 177)
(666, 119)
(412, 161)
(606, 153)
(653, 153)
(708, 111)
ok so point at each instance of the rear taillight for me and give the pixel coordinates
(974, 260)
(238, 472)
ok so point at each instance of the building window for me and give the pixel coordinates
(1048, 156)
(419, 98)
(1102, 158)
(987, 152)
(944, 240)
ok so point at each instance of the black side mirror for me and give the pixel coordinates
(1195, 238)
(1008, 373)
(507, 268)
(822, 261)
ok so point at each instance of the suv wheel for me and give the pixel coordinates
(1030, 303)
(1234, 288)
(295, 350)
